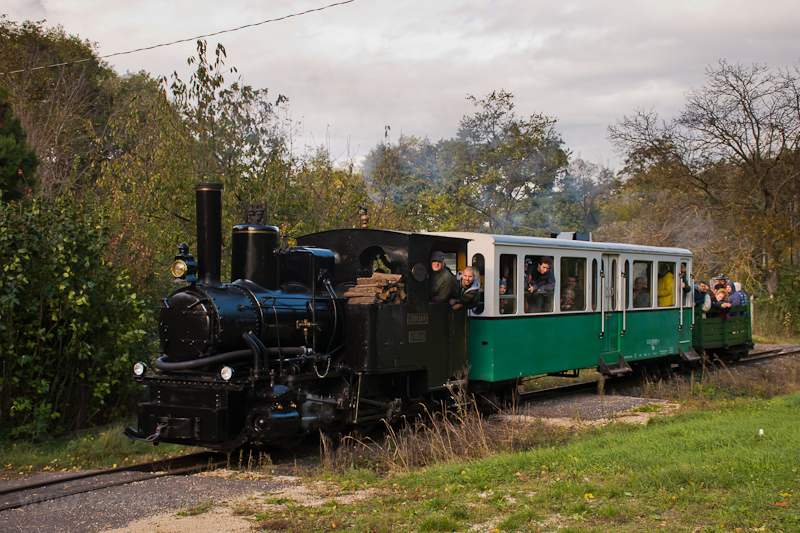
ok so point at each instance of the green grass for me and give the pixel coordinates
(199, 508)
(703, 470)
(102, 448)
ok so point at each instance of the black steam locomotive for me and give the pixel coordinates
(279, 353)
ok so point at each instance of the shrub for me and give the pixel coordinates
(70, 322)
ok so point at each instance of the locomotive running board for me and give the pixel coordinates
(689, 357)
(614, 369)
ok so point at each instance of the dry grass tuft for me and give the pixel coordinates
(728, 383)
(439, 437)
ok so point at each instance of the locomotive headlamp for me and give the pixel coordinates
(139, 368)
(226, 373)
(178, 268)
(184, 266)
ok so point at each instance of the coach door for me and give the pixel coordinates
(610, 305)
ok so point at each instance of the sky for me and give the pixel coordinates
(351, 70)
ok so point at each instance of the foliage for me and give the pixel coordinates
(497, 171)
(411, 183)
(17, 161)
(503, 160)
(732, 155)
(70, 324)
(576, 203)
(211, 131)
(63, 108)
(328, 197)
(146, 187)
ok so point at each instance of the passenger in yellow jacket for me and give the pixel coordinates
(666, 286)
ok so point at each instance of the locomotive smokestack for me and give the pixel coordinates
(209, 232)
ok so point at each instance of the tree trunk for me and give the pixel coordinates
(772, 279)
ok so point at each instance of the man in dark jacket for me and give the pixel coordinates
(539, 284)
(469, 289)
(442, 281)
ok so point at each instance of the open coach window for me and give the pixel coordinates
(642, 284)
(573, 284)
(479, 265)
(540, 284)
(666, 284)
(507, 286)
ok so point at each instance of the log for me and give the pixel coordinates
(362, 300)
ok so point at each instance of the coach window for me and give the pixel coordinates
(666, 284)
(479, 265)
(594, 284)
(540, 284)
(573, 284)
(642, 285)
(685, 284)
(507, 285)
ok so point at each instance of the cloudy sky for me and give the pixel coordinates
(353, 69)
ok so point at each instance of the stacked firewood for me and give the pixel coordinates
(380, 288)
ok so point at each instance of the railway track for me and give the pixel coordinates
(770, 354)
(627, 380)
(16, 496)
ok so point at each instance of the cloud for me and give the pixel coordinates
(352, 69)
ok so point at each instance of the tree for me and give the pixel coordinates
(71, 325)
(411, 183)
(579, 196)
(58, 88)
(17, 161)
(502, 160)
(734, 151)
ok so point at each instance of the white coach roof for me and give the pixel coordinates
(485, 239)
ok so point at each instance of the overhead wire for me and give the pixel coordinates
(180, 40)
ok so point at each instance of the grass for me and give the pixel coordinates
(101, 448)
(708, 469)
(704, 471)
(199, 508)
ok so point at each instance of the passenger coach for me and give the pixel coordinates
(592, 318)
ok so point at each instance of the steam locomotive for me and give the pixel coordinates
(283, 351)
(278, 353)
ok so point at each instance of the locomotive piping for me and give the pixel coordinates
(226, 357)
(249, 339)
(204, 361)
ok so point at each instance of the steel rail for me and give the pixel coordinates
(198, 462)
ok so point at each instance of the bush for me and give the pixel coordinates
(70, 322)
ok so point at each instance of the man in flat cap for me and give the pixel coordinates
(442, 281)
